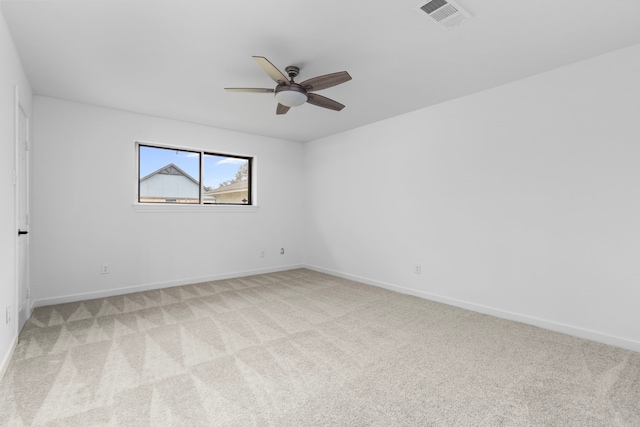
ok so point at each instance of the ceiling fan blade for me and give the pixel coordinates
(324, 102)
(328, 80)
(282, 109)
(271, 70)
(249, 89)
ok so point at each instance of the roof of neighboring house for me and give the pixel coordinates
(170, 169)
(236, 186)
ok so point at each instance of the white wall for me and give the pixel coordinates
(84, 184)
(11, 74)
(522, 201)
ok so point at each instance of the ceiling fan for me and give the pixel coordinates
(291, 94)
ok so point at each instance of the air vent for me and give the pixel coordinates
(445, 13)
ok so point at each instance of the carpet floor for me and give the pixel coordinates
(301, 348)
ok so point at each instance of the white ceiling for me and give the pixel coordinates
(172, 58)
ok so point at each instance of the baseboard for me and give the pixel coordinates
(503, 314)
(7, 357)
(158, 285)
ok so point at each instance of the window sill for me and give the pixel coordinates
(176, 208)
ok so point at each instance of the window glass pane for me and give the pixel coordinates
(226, 179)
(168, 175)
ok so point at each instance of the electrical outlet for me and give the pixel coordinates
(105, 269)
(281, 251)
(8, 314)
(417, 269)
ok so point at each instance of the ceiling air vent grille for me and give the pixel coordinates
(445, 13)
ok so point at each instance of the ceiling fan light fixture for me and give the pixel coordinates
(291, 96)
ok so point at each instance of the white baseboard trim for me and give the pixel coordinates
(159, 285)
(503, 314)
(7, 357)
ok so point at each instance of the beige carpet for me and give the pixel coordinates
(300, 348)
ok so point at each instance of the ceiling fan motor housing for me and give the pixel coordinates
(292, 71)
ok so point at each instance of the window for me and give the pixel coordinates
(172, 175)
